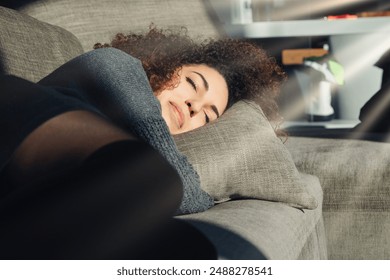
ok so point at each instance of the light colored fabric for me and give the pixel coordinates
(354, 174)
(95, 21)
(256, 229)
(31, 49)
(355, 177)
(316, 245)
(239, 156)
(358, 235)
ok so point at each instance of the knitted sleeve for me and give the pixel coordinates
(117, 85)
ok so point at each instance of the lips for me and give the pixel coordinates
(178, 113)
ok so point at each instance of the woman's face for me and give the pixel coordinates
(201, 96)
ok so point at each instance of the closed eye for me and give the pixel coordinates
(191, 82)
(207, 118)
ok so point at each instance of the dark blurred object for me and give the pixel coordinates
(375, 114)
(15, 4)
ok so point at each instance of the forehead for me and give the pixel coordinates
(200, 67)
(211, 74)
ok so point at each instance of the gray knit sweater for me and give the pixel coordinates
(117, 85)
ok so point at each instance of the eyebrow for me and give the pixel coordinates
(206, 85)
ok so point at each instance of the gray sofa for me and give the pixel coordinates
(350, 179)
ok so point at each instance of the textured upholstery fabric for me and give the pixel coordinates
(95, 21)
(358, 235)
(355, 176)
(32, 49)
(239, 156)
(263, 229)
(316, 247)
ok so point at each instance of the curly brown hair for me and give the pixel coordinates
(248, 70)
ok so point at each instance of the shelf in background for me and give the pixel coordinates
(333, 124)
(317, 27)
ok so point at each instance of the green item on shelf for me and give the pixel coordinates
(337, 70)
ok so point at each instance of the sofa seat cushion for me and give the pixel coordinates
(355, 177)
(31, 49)
(354, 174)
(258, 229)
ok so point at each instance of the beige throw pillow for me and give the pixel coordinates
(240, 156)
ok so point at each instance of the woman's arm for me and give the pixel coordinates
(117, 85)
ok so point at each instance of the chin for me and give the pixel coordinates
(172, 129)
(174, 132)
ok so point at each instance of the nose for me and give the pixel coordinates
(193, 107)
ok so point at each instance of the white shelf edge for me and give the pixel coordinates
(336, 123)
(317, 27)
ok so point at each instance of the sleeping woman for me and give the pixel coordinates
(87, 154)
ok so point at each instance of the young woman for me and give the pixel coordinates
(88, 167)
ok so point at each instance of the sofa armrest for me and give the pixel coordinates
(259, 229)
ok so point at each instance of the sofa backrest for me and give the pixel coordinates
(94, 21)
(30, 48)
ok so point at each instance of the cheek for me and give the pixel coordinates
(166, 95)
(197, 121)
(162, 98)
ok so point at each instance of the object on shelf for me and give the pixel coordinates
(344, 16)
(327, 72)
(297, 56)
(241, 11)
(374, 14)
